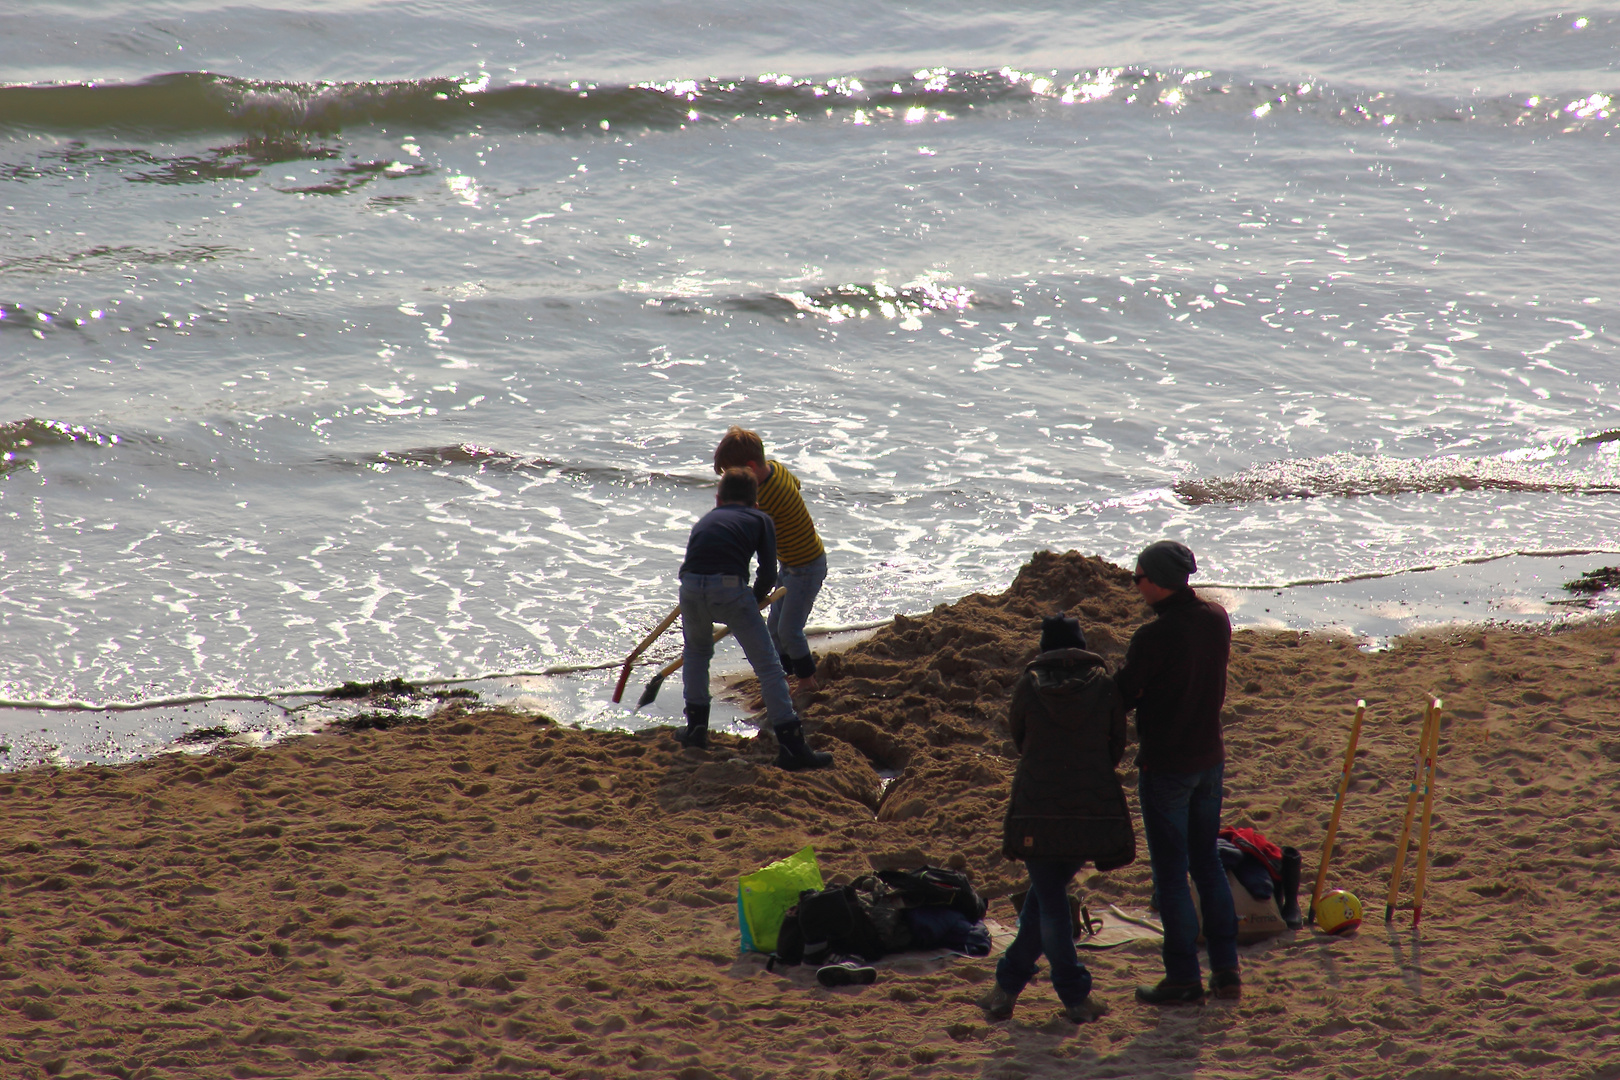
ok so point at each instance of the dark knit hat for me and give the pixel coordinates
(1167, 563)
(1061, 632)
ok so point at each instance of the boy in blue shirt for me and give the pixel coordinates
(714, 588)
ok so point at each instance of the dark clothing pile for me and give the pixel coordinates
(1068, 722)
(883, 913)
(1257, 844)
(726, 538)
(1250, 871)
(1254, 859)
(1175, 677)
(944, 928)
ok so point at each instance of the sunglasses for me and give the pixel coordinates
(1139, 578)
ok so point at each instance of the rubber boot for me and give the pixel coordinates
(1288, 889)
(696, 735)
(795, 753)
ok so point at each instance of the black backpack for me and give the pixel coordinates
(930, 886)
(823, 923)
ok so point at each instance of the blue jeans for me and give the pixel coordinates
(710, 598)
(789, 614)
(1181, 815)
(1044, 926)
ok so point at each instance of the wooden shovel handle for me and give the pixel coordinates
(675, 665)
(657, 632)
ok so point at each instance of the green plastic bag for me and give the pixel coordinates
(763, 897)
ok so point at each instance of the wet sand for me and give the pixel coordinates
(488, 894)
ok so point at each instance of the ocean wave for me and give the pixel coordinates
(483, 458)
(840, 302)
(206, 103)
(97, 257)
(16, 318)
(243, 160)
(18, 436)
(836, 303)
(1544, 469)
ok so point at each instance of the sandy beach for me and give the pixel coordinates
(488, 894)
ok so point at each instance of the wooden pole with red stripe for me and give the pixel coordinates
(1411, 808)
(1428, 811)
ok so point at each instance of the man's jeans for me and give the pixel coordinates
(724, 598)
(789, 614)
(1181, 815)
(1045, 926)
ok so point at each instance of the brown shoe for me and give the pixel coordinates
(1093, 1008)
(1226, 985)
(998, 1004)
(1166, 992)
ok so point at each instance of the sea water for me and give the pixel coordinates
(347, 340)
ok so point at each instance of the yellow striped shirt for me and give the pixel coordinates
(796, 539)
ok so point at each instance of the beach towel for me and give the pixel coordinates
(1120, 927)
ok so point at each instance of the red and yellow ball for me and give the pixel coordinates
(1338, 912)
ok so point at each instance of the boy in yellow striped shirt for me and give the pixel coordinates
(798, 549)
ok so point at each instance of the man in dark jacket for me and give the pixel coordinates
(714, 588)
(1175, 678)
(1067, 808)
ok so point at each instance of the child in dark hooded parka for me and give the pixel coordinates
(1067, 809)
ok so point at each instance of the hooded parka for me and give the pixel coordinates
(1068, 721)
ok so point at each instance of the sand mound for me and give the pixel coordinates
(491, 895)
(926, 699)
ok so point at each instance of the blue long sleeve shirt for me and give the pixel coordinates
(725, 539)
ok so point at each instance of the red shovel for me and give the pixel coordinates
(657, 632)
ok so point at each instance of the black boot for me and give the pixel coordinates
(1288, 889)
(696, 734)
(795, 753)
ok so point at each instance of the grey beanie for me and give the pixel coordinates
(1167, 563)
